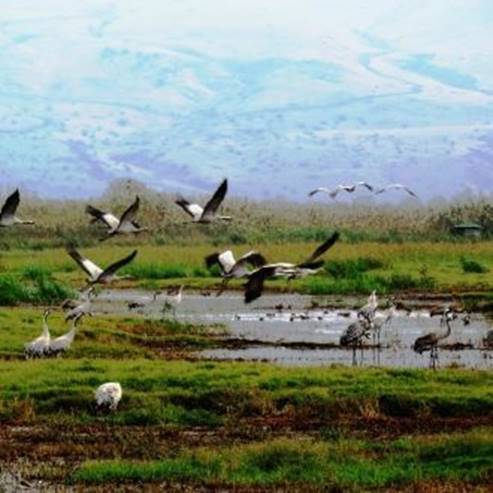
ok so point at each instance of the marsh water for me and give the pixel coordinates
(293, 329)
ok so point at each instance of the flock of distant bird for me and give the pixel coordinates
(252, 266)
(332, 193)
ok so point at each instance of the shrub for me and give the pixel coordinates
(472, 266)
(352, 268)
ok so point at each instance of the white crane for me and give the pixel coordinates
(380, 319)
(61, 344)
(311, 265)
(108, 395)
(395, 186)
(231, 268)
(7, 214)
(96, 274)
(125, 225)
(341, 188)
(208, 213)
(39, 346)
(173, 298)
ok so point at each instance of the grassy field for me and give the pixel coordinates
(187, 425)
(239, 424)
(232, 425)
(350, 268)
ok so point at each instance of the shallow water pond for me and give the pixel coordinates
(294, 330)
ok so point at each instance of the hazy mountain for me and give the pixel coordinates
(179, 96)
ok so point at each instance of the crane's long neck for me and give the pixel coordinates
(73, 327)
(447, 332)
(46, 329)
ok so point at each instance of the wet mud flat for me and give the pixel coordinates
(300, 330)
(42, 458)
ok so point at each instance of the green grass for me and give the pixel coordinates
(345, 463)
(350, 268)
(35, 287)
(473, 266)
(105, 337)
(212, 393)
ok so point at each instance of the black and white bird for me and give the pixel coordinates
(429, 342)
(125, 225)
(341, 188)
(231, 268)
(395, 186)
(96, 274)
(311, 265)
(208, 213)
(81, 307)
(7, 214)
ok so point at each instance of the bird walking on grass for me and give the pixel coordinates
(98, 275)
(108, 396)
(208, 213)
(7, 214)
(311, 265)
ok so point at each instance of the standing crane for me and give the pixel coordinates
(355, 333)
(39, 346)
(61, 344)
(429, 342)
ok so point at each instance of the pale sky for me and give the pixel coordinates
(181, 93)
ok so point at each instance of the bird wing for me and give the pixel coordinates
(10, 205)
(252, 258)
(227, 261)
(423, 342)
(87, 265)
(319, 189)
(396, 186)
(365, 184)
(129, 215)
(193, 210)
(215, 201)
(255, 284)
(211, 259)
(321, 249)
(410, 192)
(311, 265)
(109, 219)
(111, 269)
